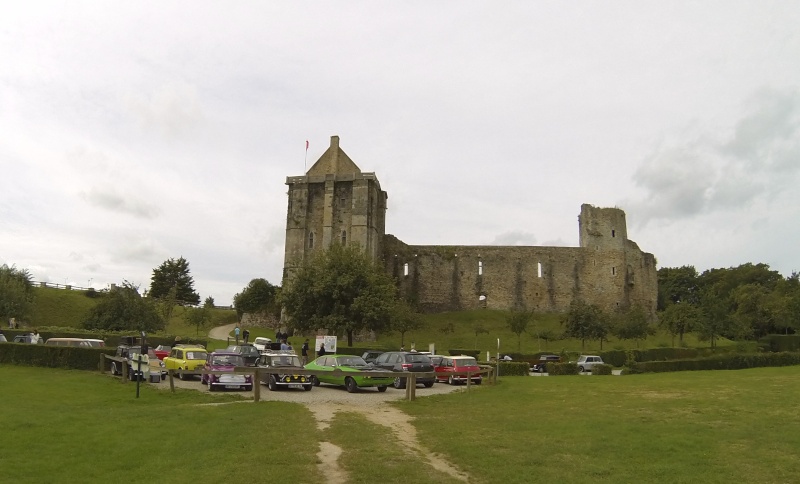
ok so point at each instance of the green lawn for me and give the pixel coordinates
(709, 427)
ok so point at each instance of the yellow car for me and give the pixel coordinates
(191, 358)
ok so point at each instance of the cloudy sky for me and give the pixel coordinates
(135, 132)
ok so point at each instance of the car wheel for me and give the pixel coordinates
(381, 389)
(399, 383)
(272, 384)
(451, 381)
(428, 384)
(181, 375)
(114, 368)
(350, 385)
(307, 388)
(314, 380)
(580, 369)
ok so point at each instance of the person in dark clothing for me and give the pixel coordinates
(321, 351)
(304, 351)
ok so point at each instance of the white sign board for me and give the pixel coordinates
(328, 341)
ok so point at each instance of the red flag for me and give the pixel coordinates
(306, 145)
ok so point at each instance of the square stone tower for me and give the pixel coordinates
(334, 202)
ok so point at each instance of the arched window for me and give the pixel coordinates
(405, 269)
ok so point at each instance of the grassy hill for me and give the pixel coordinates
(66, 308)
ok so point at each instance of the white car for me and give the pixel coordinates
(587, 362)
(261, 343)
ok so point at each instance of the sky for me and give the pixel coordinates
(136, 132)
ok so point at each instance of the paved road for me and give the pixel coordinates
(222, 332)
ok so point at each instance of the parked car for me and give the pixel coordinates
(406, 361)
(541, 365)
(26, 338)
(156, 364)
(370, 355)
(225, 361)
(186, 357)
(338, 370)
(3, 338)
(587, 362)
(286, 362)
(131, 353)
(261, 343)
(76, 342)
(436, 359)
(249, 353)
(96, 343)
(162, 351)
(452, 370)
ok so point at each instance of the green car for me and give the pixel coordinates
(338, 371)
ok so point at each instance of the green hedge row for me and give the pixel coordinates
(602, 370)
(780, 342)
(555, 369)
(514, 368)
(68, 357)
(719, 362)
(111, 339)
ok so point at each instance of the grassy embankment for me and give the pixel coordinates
(723, 426)
(59, 307)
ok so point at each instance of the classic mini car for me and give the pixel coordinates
(453, 370)
(587, 362)
(156, 364)
(188, 358)
(261, 343)
(341, 370)
(286, 362)
(370, 355)
(406, 361)
(132, 353)
(162, 351)
(250, 353)
(225, 361)
(541, 365)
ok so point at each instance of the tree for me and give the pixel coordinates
(404, 319)
(677, 284)
(518, 322)
(259, 297)
(585, 321)
(342, 290)
(679, 319)
(632, 324)
(546, 335)
(197, 317)
(16, 293)
(123, 308)
(209, 302)
(174, 273)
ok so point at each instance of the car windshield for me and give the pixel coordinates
(285, 361)
(466, 362)
(249, 351)
(196, 355)
(227, 360)
(351, 361)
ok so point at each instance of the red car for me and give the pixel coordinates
(225, 361)
(453, 369)
(162, 351)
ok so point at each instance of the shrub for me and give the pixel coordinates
(562, 369)
(602, 369)
(780, 342)
(513, 368)
(68, 357)
(721, 362)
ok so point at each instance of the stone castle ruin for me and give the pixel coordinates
(335, 202)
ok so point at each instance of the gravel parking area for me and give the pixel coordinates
(321, 394)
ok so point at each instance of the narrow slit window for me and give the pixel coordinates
(405, 269)
(613, 271)
(613, 233)
(311, 240)
(344, 237)
(480, 267)
(539, 269)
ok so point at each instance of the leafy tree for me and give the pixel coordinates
(585, 321)
(717, 320)
(679, 319)
(632, 324)
(546, 335)
(198, 317)
(677, 284)
(166, 304)
(342, 290)
(479, 329)
(174, 273)
(404, 319)
(16, 293)
(259, 297)
(124, 309)
(518, 322)
(751, 309)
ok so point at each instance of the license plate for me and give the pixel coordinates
(232, 386)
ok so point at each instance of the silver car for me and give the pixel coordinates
(587, 362)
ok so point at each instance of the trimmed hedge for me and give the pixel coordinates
(780, 342)
(68, 357)
(513, 368)
(554, 369)
(111, 338)
(602, 370)
(718, 362)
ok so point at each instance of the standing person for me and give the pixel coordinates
(35, 337)
(284, 346)
(321, 351)
(304, 351)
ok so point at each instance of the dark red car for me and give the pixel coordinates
(456, 369)
(162, 351)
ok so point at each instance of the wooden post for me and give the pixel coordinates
(256, 386)
(171, 380)
(469, 381)
(124, 372)
(411, 387)
(102, 363)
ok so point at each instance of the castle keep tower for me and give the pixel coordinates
(334, 202)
